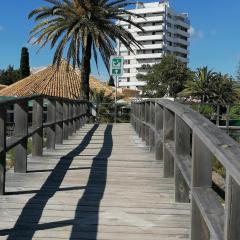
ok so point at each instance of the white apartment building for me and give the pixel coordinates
(166, 32)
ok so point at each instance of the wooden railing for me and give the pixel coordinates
(187, 142)
(64, 117)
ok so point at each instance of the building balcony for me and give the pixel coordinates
(137, 65)
(149, 19)
(147, 10)
(144, 47)
(148, 28)
(182, 59)
(149, 37)
(126, 75)
(144, 56)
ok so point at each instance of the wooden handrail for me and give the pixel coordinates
(64, 117)
(187, 142)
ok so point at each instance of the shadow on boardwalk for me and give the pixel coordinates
(85, 223)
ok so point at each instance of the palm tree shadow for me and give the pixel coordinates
(84, 222)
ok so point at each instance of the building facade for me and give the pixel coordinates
(166, 32)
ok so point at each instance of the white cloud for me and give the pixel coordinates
(195, 34)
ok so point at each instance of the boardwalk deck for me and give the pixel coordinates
(101, 184)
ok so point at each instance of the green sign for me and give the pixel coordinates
(116, 65)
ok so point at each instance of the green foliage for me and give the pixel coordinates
(210, 87)
(84, 29)
(204, 109)
(24, 63)
(218, 167)
(167, 77)
(111, 82)
(9, 76)
(234, 112)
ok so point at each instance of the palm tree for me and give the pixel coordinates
(223, 90)
(200, 86)
(211, 87)
(84, 28)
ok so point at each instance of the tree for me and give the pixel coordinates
(111, 82)
(167, 77)
(24, 63)
(84, 28)
(210, 87)
(199, 86)
(9, 76)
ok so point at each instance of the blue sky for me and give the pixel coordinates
(215, 37)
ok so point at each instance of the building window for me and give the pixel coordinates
(128, 79)
(153, 23)
(153, 42)
(153, 33)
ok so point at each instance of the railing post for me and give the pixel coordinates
(138, 118)
(20, 131)
(74, 116)
(168, 142)
(78, 112)
(65, 117)
(51, 118)
(159, 132)
(3, 114)
(70, 115)
(147, 120)
(152, 123)
(37, 122)
(232, 209)
(142, 120)
(59, 126)
(182, 153)
(201, 177)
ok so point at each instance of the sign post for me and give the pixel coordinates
(116, 70)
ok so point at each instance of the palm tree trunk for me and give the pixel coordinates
(86, 69)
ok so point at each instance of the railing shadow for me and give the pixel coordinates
(84, 222)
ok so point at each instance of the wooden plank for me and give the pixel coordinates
(98, 184)
(3, 148)
(37, 122)
(212, 211)
(232, 209)
(20, 131)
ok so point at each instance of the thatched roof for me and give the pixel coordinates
(53, 81)
(2, 86)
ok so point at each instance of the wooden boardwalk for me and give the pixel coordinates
(101, 184)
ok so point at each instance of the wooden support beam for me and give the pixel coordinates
(183, 148)
(70, 115)
(59, 126)
(3, 114)
(201, 177)
(21, 131)
(168, 140)
(51, 118)
(65, 117)
(37, 122)
(74, 110)
(232, 209)
(158, 132)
